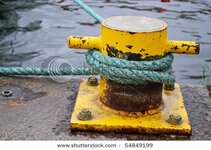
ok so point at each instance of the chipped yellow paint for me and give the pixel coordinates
(125, 35)
(103, 86)
(85, 42)
(106, 119)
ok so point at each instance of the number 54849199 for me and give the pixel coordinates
(138, 145)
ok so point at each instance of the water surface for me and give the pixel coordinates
(32, 31)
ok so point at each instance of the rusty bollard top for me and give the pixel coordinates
(134, 38)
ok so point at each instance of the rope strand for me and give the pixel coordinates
(118, 70)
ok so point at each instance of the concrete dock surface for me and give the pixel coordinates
(41, 110)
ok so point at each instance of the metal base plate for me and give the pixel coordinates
(109, 120)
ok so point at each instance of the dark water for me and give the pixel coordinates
(33, 30)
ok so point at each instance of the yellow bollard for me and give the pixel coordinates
(132, 108)
(133, 38)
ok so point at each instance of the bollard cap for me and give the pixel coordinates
(134, 24)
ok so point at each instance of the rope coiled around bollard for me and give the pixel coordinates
(118, 70)
(132, 72)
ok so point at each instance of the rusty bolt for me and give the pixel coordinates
(85, 114)
(169, 87)
(175, 119)
(92, 81)
(6, 93)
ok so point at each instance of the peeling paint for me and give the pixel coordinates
(83, 41)
(129, 46)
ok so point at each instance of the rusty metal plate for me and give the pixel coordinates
(106, 119)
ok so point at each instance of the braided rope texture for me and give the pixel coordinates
(115, 69)
(132, 72)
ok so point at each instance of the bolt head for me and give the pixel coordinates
(92, 81)
(85, 114)
(6, 93)
(169, 87)
(175, 119)
(86, 111)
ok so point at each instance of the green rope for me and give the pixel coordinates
(132, 72)
(118, 70)
(89, 10)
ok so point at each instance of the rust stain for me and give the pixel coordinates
(129, 46)
(78, 37)
(127, 113)
(113, 52)
(15, 103)
(188, 46)
(83, 41)
(133, 98)
(132, 33)
(129, 129)
(195, 47)
(142, 50)
(174, 48)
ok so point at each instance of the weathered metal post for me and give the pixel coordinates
(143, 108)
